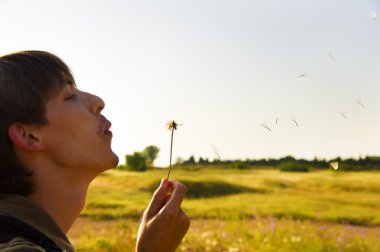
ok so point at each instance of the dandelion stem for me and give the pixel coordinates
(172, 126)
(171, 148)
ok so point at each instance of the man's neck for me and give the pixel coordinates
(62, 199)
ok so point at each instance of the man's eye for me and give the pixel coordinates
(70, 97)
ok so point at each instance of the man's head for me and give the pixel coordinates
(27, 80)
(34, 90)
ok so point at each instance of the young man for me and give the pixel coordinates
(53, 142)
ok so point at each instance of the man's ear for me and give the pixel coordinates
(24, 137)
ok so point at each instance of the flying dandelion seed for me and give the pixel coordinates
(372, 15)
(360, 102)
(264, 125)
(332, 58)
(277, 119)
(216, 152)
(304, 75)
(172, 126)
(343, 114)
(293, 119)
(334, 165)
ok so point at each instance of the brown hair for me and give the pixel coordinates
(27, 80)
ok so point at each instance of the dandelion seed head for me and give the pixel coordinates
(172, 125)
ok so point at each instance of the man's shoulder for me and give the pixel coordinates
(21, 236)
(19, 244)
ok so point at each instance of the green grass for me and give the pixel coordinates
(345, 202)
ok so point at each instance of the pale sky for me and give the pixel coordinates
(222, 68)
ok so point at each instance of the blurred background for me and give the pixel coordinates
(226, 70)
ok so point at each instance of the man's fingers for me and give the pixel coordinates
(184, 220)
(159, 199)
(174, 203)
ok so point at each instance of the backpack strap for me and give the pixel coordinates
(11, 227)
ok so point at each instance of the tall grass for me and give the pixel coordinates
(315, 211)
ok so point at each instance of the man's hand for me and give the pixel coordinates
(164, 223)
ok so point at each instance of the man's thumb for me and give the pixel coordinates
(158, 199)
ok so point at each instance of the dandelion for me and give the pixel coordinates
(172, 126)
(264, 125)
(335, 165)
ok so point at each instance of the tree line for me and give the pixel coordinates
(143, 160)
(290, 163)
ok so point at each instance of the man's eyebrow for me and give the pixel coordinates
(65, 89)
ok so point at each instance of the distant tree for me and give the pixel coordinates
(191, 160)
(136, 162)
(293, 166)
(150, 153)
(238, 164)
(203, 161)
(287, 159)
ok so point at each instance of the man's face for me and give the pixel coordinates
(77, 134)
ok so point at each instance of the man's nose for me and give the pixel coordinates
(97, 104)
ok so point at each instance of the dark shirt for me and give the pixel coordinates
(29, 212)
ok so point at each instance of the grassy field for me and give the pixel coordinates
(241, 210)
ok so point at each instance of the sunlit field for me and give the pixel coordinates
(240, 210)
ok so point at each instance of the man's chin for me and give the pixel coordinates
(116, 161)
(112, 163)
